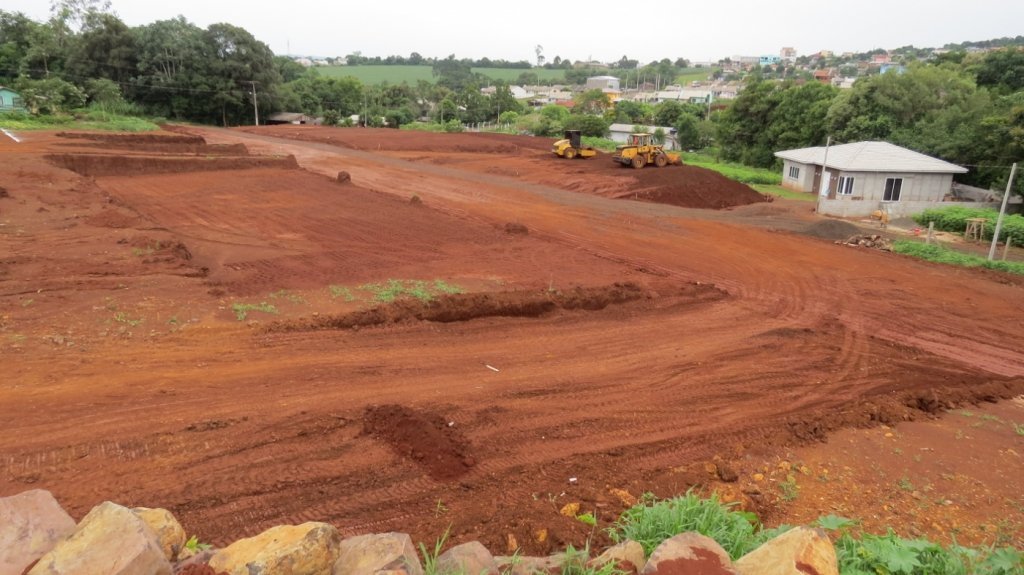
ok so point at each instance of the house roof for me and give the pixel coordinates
(871, 157)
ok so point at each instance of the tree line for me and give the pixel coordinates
(964, 108)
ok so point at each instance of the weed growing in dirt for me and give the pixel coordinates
(242, 309)
(421, 290)
(121, 317)
(650, 522)
(142, 252)
(587, 518)
(440, 508)
(1018, 428)
(430, 558)
(905, 484)
(195, 546)
(575, 563)
(340, 291)
(939, 254)
(790, 490)
(287, 295)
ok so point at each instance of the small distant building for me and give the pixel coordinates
(826, 76)
(769, 60)
(862, 177)
(290, 118)
(603, 83)
(10, 100)
(881, 59)
(620, 133)
(890, 67)
(788, 54)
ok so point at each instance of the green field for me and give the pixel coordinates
(412, 74)
(694, 75)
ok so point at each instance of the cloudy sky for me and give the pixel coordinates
(598, 29)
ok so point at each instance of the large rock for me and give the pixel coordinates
(110, 540)
(799, 551)
(470, 558)
(31, 523)
(169, 533)
(627, 557)
(307, 549)
(382, 553)
(689, 554)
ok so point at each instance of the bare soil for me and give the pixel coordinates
(216, 342)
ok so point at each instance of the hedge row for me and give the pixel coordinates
(954, 219)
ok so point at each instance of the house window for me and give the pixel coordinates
(845, 185)
(893, 186)
(794, 172)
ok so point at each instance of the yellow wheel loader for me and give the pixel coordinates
(572, 146)
(641, 150)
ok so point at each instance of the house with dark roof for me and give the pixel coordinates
(859, 178)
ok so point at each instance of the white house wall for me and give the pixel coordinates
(804, 182)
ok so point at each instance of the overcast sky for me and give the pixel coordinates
(580, 29)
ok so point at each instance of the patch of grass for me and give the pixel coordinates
(92, 120)
(587, 518)
(421, 290)
(789, 489)
(340, 291)
(1018, 428)
(954, 219)
(142, 252)
(738, 172)
(942, 255)
(780, 192)
(287, 295)
(905, 484)
(575, 563)
(651, 521)
(242, 309)
(122, 317)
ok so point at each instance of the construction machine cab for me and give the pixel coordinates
(640, 140)
(575, 138)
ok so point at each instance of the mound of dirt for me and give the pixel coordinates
(149, 138)
(831, 230)
(684, 186)
(465, 307)
(112, 165)
(426, 438)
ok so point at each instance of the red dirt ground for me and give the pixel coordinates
(129, 377)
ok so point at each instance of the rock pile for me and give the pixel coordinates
(874, 241)
(37, 537)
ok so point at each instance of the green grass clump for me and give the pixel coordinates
(342, 292)
(738, 172)
(242, 309)
(395, 289)
(954, 219)
(939, 254)
(651, 521)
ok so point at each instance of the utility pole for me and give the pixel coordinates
(255, 105)
(824, 174)
(1002, 212)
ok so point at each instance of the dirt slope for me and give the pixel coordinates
(129, 377)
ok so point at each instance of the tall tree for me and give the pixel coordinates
(106, 48)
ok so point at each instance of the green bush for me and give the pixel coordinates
(954, 219)
(651, 521)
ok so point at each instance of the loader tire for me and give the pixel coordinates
(661, 160)
(638, 162)
(569, 153)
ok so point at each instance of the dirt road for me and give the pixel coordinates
(129, 377)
